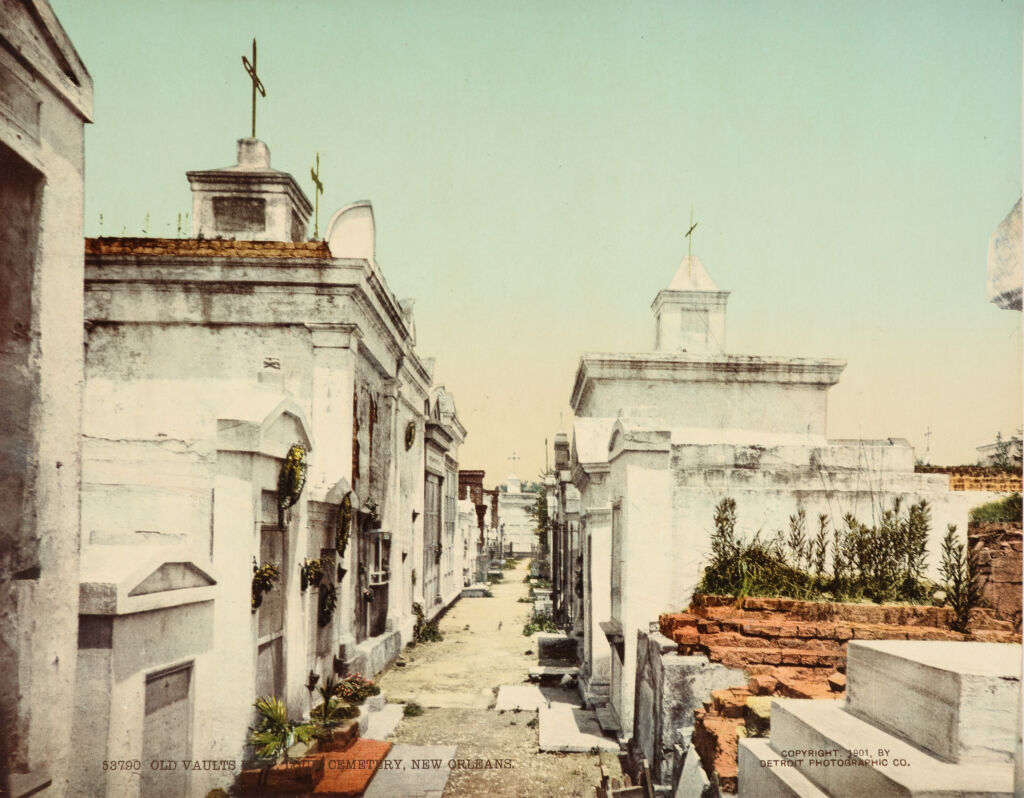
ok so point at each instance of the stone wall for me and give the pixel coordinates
(997, 549)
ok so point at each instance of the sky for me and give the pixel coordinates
(533, 165)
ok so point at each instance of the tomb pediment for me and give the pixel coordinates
(172, 576)
(36, 33)
(267, 424)
(122, 580)
(351, 232)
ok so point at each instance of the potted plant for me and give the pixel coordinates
(355, 689)
(334, 718)
(271, 739)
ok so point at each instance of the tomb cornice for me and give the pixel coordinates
(683, 367)
(690, 299)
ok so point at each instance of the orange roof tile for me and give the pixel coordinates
(206, 248)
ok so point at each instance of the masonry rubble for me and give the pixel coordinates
(661, 437)
(208, 361)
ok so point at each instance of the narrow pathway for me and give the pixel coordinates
(456, 680)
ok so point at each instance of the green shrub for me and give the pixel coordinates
(425, 631)
(540, 622)
(881, 563)
(957, 574)
(1000, 511)
(412, 710)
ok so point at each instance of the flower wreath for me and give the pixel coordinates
(291, 480)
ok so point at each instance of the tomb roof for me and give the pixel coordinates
(206, 248)
(692, 276)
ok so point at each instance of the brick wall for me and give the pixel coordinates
(977, 478)
(997, 551)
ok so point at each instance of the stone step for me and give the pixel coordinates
(382, 723)
(552, 672)
(606, 720)
(571, 729)
(820, 734)
(764, 774)
(958, 700)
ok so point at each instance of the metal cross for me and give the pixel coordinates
(257, 84)
(689, 236)
(928, 439)
(513, 458)
(315, 174)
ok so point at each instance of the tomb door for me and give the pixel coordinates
(270, 615)
(167, 733)
(431, 540)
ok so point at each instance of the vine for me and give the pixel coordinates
(410, 435)
(343, 527)
(291, 480)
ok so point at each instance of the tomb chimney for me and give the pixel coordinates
(249, 201)
(689, 315)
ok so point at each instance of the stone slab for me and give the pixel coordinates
(529, 697)
(809, 725)
(606, 719)
(756, 781)
(693, 781)
(571, 729)
(552, 672)
(956, 699)
(477, 590)
(398, 779)
(383, 722)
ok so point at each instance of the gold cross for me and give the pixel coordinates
(257, 84)
(315, 174)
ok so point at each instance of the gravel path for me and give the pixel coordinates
(456, 682)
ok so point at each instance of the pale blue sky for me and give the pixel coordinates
(532, 167)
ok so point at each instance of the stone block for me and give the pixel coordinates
(956, 699)
(877, 756)
(555, 649)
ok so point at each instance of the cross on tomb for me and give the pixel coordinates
(315, 174)
(513, 458)
(257, 84)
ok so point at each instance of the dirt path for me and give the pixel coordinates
(456, 681)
